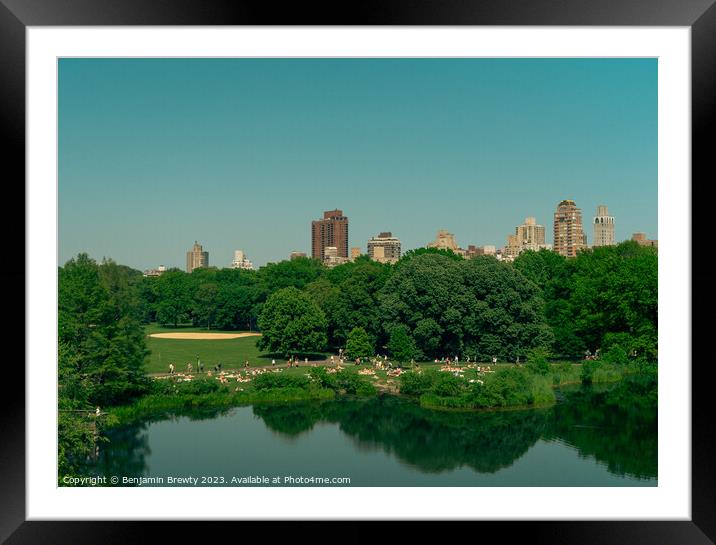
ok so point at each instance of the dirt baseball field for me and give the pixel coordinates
(203, 336)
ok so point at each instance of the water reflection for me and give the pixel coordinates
(616, 426)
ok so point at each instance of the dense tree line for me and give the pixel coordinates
(101, 348)
(431, 304)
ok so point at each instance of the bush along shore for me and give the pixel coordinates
(490, 387)
(181, 391)
(440, 386)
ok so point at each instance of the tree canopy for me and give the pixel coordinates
(291, 322)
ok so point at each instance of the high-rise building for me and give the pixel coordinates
(241, 261)
(569, 237)
(446, 241)
(196, 258)
(641, 239)
(332, 230)
(331, 257)
(603, 228)
(528, 236)
(384, 248)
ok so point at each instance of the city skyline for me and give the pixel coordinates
(154, 154)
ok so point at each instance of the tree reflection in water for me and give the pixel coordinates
(617, 426)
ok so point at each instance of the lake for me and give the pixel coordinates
(593, 436)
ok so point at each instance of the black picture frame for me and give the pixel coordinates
(699, 15)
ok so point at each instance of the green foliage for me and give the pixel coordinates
(194, 387)
(269, 381)
(101, 332)
(445, 252)
(353, 383)
(603, 292)
(589, 367)
(323, 378)
(447, 385)
(292, 323)
(616, 354)
(101, 350)
(401, 345)
(478, 307)
(413, 383)
(537, 362)
(359, 344)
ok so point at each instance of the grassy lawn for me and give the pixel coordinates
(230, 352)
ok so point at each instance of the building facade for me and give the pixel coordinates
(385, 248)
(446, 241)
(603, 228)
(569, 237)
(241, 261)
(297, 255)
(641, 239)
(331, 257)
(331, 231)
(528, 236)
(355, 253)
(155, 272)
(196, 257)
(475, 251)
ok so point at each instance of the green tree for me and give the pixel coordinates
(401, 344)
(206, 303)
(427, 289)
(359, 344)
(537, 361)
(100, 327)
(174, 297)
(292, 322)
(477, 307)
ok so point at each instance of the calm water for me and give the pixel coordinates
(592, 437)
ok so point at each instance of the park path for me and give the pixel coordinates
(322, 363)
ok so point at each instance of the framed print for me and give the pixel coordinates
(319, 352)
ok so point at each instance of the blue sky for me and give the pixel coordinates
(243, 153)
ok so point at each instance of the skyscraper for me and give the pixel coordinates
(332, 230)
(569, 235)
(603, 227)
(241, 261)
(196, 258)
(384, 248)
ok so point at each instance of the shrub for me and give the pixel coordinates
(506, 387)
(616, 355)
(537, 362)
(323, 378)
(447, 385)
(589, 367)
(607, 373)
(354, 383)
(269, 381)
(412, 383)
(541, 391)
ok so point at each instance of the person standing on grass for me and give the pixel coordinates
(200, 367)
